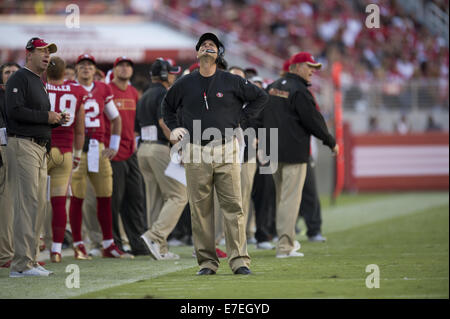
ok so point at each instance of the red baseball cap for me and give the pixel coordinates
(305, 57)
(86, 56)
(121, 59)
(35, 42)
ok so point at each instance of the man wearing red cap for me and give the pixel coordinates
(128, 196)
(292, 109)
(29, 121)
(95, 159)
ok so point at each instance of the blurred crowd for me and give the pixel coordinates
(401, 48)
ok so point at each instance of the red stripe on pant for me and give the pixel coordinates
(59, 218)
(104, 217)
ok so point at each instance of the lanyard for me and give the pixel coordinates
(205, 95)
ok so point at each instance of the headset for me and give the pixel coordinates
(220, 54)
(164, 73)
(30, 45)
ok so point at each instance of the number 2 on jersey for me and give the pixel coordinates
(92, 110)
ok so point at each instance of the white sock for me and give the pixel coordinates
(107, 243)
(56, 247)
(77, 243)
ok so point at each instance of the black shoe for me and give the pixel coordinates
(206, 271)
(243, 271)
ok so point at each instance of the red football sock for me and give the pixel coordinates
(104, 216)
(76, 217)
(59, 218)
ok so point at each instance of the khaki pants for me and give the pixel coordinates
(28, 181)
(248, 171)
(6, 212)
(289, 180)
(223, 176)
(166, 196)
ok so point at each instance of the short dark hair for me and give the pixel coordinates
(5, 65)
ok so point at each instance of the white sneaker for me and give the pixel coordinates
(297, 245)
(222, 242)
(153, 247)
(169, 256)
(266, 245)
(95, 252)
(44, 270)
(252, 241)
(293, 253)
(33, 272)
(275, 239)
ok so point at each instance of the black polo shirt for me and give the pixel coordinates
(27, 105)
(225, 95)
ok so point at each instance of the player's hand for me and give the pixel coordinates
(177, 134)
(76, 163)
(109, 153)
(336, 150)
(65, 118)
(53, 117)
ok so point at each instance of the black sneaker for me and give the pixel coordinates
(243, 271)
(206, 271)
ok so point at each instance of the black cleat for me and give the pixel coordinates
(206, 271)
(243, 271)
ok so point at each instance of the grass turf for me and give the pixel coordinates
(409, 244)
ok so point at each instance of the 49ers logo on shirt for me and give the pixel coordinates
(219, 94)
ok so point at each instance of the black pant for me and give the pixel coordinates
(128, 200)
(310, 205)
(263, 196)
(183, 229)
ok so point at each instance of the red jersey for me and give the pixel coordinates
(125, 102)
(98, 97)
(65, 98)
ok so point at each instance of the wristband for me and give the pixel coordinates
(114, 142)
(77, 153)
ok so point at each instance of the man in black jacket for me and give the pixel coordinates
(210, 102)
(293, 111)
(29, 122)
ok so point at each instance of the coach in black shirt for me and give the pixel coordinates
(29, 122)
(213, 98)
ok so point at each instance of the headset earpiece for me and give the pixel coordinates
(164, 74)
(30, 45)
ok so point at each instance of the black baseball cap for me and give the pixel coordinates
(209, 36)
(158, 65)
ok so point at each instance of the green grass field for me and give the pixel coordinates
(405, 234)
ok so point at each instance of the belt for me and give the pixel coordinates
(40, 141)
(157, 142)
